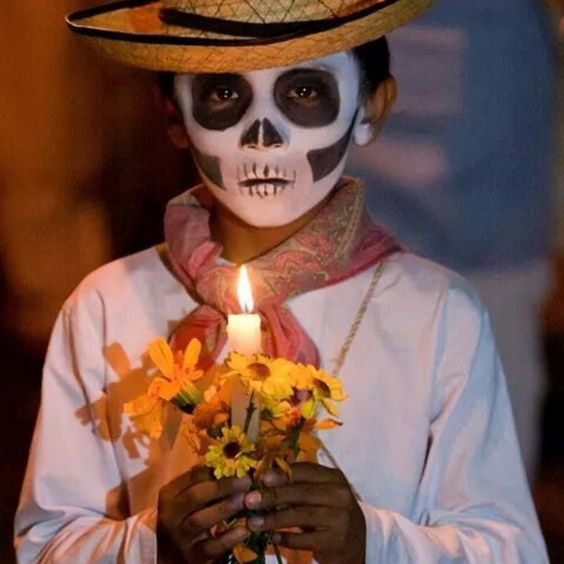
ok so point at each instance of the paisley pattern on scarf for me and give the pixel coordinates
(339, 242)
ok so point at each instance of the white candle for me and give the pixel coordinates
(244, 337)
(243, 332)
(243, 329)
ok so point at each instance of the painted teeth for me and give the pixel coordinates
(265, 189)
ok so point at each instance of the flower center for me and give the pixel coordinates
(299, 397)
(259, 371)
(232, 449)
(324, 387)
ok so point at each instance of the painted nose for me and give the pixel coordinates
(261, 134)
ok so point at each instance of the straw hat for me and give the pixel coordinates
(236, 35)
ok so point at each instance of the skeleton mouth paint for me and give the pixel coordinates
(271, 144)
(264, 181)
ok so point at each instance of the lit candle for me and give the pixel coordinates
(244, 337)
(243, 329)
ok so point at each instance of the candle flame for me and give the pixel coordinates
(244, 293)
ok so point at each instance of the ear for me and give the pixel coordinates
(174, 121)
(374, 110)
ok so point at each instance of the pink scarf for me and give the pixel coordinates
(339, 242)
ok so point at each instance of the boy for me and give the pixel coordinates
(269, 97)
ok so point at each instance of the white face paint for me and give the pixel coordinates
(271, 144)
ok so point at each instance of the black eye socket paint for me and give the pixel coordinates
(220, 100)
(324, 161)
(308, 97)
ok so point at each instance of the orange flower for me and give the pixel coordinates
(244, 554)
(177, 374)
(211, 414)
(175, 382)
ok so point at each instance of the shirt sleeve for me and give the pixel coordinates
(473, 503)
(70, 506)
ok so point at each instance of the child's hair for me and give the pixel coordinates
(373, 59)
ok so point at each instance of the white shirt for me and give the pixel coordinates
(428, 439)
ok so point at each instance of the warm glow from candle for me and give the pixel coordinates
(244, 293)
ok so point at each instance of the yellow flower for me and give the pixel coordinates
(230, 456)
(323, 388)
(274, 407)
(177, 374)
(262, 375)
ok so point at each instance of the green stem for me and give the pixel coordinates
(294, 437)
(278, 555)
(250, 410)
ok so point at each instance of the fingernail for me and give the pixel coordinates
(273, 478)
(253, 500)
(239, 501)
(256, 522)
(240, 533)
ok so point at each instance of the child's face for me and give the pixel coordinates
(271, 144)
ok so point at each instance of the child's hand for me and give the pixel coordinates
(320, 502)
(189, 507)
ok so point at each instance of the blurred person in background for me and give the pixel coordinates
(463, 169)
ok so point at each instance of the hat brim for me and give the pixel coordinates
(133, 33)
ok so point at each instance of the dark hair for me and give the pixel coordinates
(373, 59)
(165, 81)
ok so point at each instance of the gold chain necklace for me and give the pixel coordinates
(342, 356)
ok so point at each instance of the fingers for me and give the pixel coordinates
(315, 541)
(307, 517)
(203, 520)
(210, 549)
(193, 503)
(328, 495)
(202, 494)
(305, 472)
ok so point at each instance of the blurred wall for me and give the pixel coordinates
(82, 149)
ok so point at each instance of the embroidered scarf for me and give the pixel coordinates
(339, 242)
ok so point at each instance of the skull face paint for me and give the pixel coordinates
(271, 144)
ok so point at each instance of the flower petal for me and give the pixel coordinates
(330, 406)
(237, 362)
(243, 554)
(327, 424)
(192, 354)
(168, 390)
(308, 442)
(162, 357)
(284, 466)
(308, 409)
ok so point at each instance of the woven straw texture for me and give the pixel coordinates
(193, 58)
(269, 11)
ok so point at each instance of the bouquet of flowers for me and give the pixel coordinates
(283, 404)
